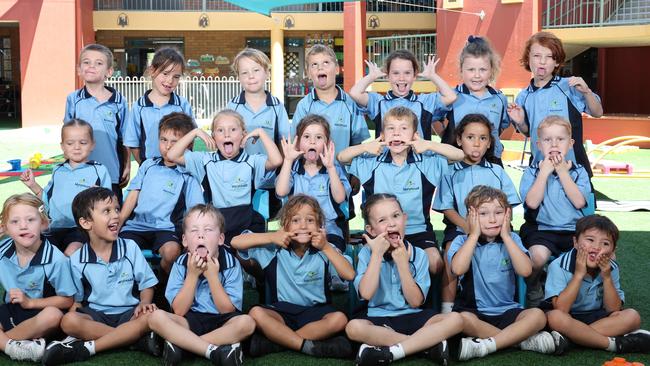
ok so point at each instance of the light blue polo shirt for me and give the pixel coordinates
(389, 299)
(300, 281)
(492, 104)
(143, 122)
(230, 276)
(461, 178)
(47, 274)
(227, 183)
(318, 186)
(166, 194)
(108, 122)
(555, 212)
(425, 106)
(590, 295)
(489, 285)
(555, 98)
(272, 117)
(112, 287)
(347, 125)
(413, 182)
(65, 184)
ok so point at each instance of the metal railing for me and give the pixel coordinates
(422, 46)
(590, 13)
(207, 96)
(409, 6)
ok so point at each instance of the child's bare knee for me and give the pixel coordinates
(245, 325)
(354, 328)
(70, 323)
(557, 320)
(257, 313)
(49, 317)
(157, 319)
(632, 318)
(169, 252)
(337, 320)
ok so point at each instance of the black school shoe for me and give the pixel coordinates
(335, 347)
(439, 353)
(635, 342)
(371, 355)
(172, 355)
(58, 353)
(150, 343)
(260, 345)
(227, 355)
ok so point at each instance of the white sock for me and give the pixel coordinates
(211, 347)
(90, 346)
(446, 307)
(397, 351)
(490, 345)
(612, 344)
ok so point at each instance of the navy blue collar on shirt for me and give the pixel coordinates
(386, 157)
(173, 99)
(460, 165)
(43, 254)
(237, 158)
(88, 255)
(339, 94)
(411, 96)
(85, 94)
(299, 167)
(554, 80)
(462, 88)
(574, 166)
(270, 101)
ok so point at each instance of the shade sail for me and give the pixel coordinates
(265, 6)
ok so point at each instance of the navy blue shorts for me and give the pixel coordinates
(557, 242)
(202, 323)
(13, 314)
(112, 320)
(406, 324)
(153, 240)
(61, 238)
(450, 234)
(296, 316)
(589, 317)
(499, 321)
(423, 240)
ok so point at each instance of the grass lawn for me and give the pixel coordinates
(633, 254)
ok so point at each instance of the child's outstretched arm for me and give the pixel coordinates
(463, 257)
(17, 296)
(28, 179)
(520, 260)
(358, 91)
(177, 151)
(593, 104)
(251, 240)
(450, 152)
(412, 292)
(570, 187)
(219, 295)
(273, 154)
(370, 280)
(128, 206)
(535, 195)
(373, 147)
(342, 266)
(283, 182)
(336, 185)
(447, 94)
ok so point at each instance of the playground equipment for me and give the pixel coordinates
(607, 167)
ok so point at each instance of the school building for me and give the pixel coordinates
(607, 41)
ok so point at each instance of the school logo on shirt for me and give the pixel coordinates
(32, 285)
(505, 264)
(312, 276)
(82, 183)
(239, 184)
(555, 106)
(599, 292)
(267, 124)
(494, 108)
(410, 185)
(125, 277)
(169, 187)
(340, 123)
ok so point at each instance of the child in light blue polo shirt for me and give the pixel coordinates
(229, 175)
(401, 163)
(347, 124)
(478, 167)
(402, 70)
(159, 196)
(114, 285)
(554, 191)
(205, 290)
(69, 178)
(296, 261)
(105, 109)
(583, 288)
(36, 279)
(392, 275)
(141, 134)
(486, 262)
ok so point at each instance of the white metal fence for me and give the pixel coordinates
(590, 13)
(422, 46)
(206, 95)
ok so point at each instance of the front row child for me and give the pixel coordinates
(555, 190)
(114, 285)
(296, 260)
(205, 290)
(402, 163)
(486, 262)
(36, 278)
(583, 289)
(393, 277)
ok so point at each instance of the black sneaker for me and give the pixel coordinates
(260, 345)
(171, 354)
(561, 343)
(635, 342)
(227, 355)
(370, 356)
(335, 347)
(439, 353)
(57, 353)
(150, 343)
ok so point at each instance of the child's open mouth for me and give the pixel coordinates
(402, 88)
(322, 80)
(114, 228)
(202, 251)
(311, 155)
(394, 236)
(396, 143)
(228, 148)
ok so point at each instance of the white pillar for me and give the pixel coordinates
(277, 62)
